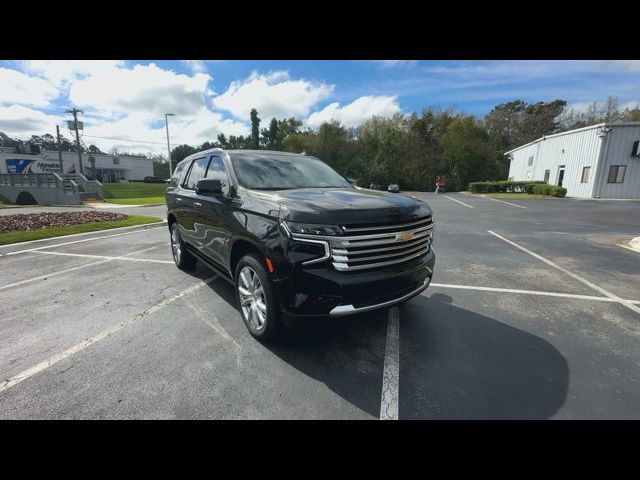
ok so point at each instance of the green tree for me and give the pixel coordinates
(254, 141)
(467, 147)
(179, 153)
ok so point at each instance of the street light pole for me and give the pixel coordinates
(166, 122)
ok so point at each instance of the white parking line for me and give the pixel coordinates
(82, 255)
(162, 225)
(391, 369)
(67, 270)
(531, 292)
(461, 203)
(502, 201)
(30, 372)
(598, 288)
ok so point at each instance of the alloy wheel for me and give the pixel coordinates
(252, 299)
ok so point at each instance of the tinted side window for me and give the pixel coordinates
(196, 173)
(177, 174)
(217, 171)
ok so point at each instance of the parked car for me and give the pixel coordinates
(394, 188)
(154, 180)
(296, 239)
(375, 186)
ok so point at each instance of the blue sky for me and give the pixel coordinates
(124, 101)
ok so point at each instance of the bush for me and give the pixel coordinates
(550, 190)
(503, 186)
(535, 187)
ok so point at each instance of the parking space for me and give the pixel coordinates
(534, 312)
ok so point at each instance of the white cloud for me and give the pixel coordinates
(628, 65)
(273, 94)
(357, 111)
(62, 72)
(195, 129)
(583, 107)
(16, 87)
(196, 66)
(144, 88)
(394, 63)
(22, 122)
(119, 102)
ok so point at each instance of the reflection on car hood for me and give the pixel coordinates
(343, 205)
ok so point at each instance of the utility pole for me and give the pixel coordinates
(166, 121)
(59, 150)
(75, 112)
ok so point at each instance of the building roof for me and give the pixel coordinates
(590, 127)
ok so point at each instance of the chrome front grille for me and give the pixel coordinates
(373, 245)
(378, 245)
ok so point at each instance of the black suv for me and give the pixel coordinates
(295, 238)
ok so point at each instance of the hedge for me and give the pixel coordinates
(536, 187)
(503, 186)
(551, 190)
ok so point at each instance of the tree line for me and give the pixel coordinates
(409, 150)
(412, 150)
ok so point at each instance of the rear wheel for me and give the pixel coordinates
(256, 297)
(184, 259)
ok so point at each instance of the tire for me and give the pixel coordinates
(184, 259)
(263, 322)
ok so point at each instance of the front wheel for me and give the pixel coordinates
(256, 297)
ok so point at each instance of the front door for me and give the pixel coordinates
(560, 175)
(189, 205)
(216, 215)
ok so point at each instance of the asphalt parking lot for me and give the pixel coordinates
(534, 313)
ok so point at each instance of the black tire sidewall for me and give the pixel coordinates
(272, 325)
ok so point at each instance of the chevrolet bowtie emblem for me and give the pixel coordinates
(404, 236)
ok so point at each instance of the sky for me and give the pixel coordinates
(124, 102)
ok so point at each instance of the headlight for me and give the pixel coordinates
(311, 228)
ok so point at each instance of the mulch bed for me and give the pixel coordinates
(36, 221)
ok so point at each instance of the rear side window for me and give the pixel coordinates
(196, 173)
(177, 174)
(217, 171)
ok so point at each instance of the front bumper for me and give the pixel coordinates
(322, 292)
(341, 310)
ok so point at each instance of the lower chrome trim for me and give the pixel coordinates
(341, 310)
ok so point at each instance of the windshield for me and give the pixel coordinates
(283, 172)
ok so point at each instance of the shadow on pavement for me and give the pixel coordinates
(347, 354)
(458, 364)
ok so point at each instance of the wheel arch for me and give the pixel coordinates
(239, 249)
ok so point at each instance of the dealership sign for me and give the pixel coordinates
(24, 165)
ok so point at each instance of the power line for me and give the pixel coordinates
(130, 140)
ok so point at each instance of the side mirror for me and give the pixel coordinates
(209, 185)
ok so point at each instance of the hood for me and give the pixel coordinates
(344, 206)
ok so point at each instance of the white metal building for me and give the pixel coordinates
(109, 168)
(601, 161)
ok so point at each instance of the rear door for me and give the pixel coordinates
(174, 195)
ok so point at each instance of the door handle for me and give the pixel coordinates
(197, 204)
(179, 200)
